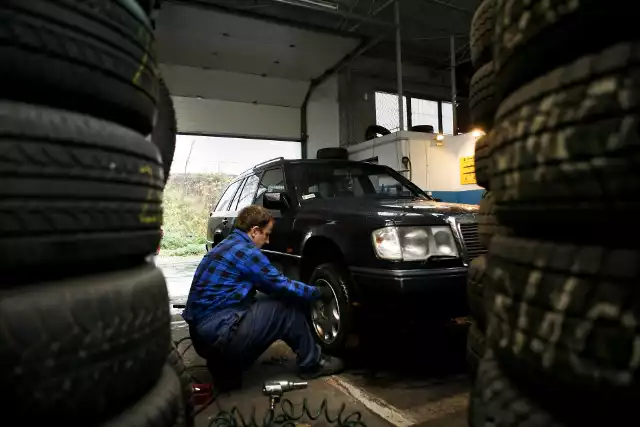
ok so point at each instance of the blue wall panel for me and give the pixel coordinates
(470, 197)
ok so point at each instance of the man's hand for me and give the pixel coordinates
(326, 294)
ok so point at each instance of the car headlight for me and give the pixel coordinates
(414, 243)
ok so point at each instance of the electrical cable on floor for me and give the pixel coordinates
(288, 417)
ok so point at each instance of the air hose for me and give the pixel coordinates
(288, 417)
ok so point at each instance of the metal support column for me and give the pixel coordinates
(399, 65)
(453, 85)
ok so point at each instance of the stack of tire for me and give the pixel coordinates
(561, 293)
(483, 104)
(87, 133)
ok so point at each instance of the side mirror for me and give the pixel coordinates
(276, 201)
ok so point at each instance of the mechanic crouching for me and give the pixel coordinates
(231, 325)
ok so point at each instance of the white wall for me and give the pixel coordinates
(433, 167)
(444, 163)
(210, 116)
(323, 118)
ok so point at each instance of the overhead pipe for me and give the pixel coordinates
(399, 66)
(453, 85)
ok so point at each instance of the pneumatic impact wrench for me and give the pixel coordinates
(275, 389)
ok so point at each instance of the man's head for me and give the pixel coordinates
(257, 222)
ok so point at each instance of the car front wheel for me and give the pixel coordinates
(331, 320)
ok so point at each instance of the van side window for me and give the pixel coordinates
(248, 192)
(234, 202)
(223, 203)
(272, 181)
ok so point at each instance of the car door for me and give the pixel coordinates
(278, 250)
(218, 227)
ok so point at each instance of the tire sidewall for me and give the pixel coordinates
(338, 279)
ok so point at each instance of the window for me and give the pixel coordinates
(234, 202)
(424, 112)
(387, 111)
(272, 181)
(314, 181)
(248, 191)
(447, 118)
(223, 204)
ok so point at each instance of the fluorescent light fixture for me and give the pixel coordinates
(307, 3)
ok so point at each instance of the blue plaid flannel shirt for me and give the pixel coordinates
(231, 272)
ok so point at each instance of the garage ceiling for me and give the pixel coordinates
(426, 26)
(207, 38)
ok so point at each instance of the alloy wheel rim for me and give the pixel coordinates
(326, 316)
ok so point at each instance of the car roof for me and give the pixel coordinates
(279, 161)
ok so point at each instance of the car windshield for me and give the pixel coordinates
(351, 180)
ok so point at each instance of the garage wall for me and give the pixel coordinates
(444, 170)
(323, 118)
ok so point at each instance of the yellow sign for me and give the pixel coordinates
(467, 170)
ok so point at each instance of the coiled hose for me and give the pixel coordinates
(288, 417)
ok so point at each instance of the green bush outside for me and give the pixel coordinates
(188, 200)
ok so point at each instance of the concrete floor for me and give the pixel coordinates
(398, 378)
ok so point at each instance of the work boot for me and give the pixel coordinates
(328, 365)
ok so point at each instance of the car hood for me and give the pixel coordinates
(398, 211)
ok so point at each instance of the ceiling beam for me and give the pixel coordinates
(342, 13)
(246, 13)
(450, 6)
(372, 14)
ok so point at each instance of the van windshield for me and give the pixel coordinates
(352, 180)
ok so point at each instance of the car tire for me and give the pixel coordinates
(488, 225)
(165, 128)
(338, 279)
(476, 288)
(161, 407)
(577, 162)
(95, 57)
(175, 361)
(483, 101)
(76, 191)
(483, 161)
(332, 153)
(562, 320)
(476, 345)
(486, 219)
(422, 128)
(527, 35)
(481, 33)
(82, 349)
(496, 401)
(373, 131)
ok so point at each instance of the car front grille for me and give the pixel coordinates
(471, 240)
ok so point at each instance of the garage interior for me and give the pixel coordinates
(305, 72)
(310, 72)
(426, 179)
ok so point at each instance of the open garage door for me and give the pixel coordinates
(232, 75)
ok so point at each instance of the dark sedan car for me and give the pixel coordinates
(384, 247)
